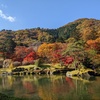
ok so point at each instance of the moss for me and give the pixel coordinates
(45, 66)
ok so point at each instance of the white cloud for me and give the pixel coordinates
(9, 18)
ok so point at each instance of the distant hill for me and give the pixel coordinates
(84, 29)
(81, 29)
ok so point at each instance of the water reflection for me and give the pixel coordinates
(51, 87)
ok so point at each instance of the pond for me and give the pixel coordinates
(54, 87)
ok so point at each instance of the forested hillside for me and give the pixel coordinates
(81, 29)
(77, 41)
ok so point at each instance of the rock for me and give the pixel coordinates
(16, 63)
(25, 63)
(6, 63)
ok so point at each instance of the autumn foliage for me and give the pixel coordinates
(23, 53)
(51, 51)
(30, 57)
(94, 44)
(68, 60)
(76, 41)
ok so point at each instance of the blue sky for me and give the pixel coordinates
(26, 14)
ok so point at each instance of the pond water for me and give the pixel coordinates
(54, 87)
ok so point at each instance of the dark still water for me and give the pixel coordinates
(50, 87)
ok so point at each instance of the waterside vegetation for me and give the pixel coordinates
(38, 50)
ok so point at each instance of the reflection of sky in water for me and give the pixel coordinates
(51, 87)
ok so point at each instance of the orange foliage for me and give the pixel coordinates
(51, 51)
(95, 44)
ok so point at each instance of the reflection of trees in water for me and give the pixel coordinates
(18, 87)
(26, 87)
(80, 93)
(50, 87)
(94, 89)
(60, 89)
(14, 86)
(53, 88)
(6, 84)
(45, 89)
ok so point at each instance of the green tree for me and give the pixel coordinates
(93, 57)
(7, 47)
(77, 51)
